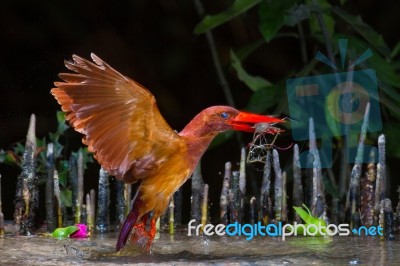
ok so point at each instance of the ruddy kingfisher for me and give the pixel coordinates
(128, 136)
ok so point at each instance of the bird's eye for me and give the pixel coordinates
(224, 115)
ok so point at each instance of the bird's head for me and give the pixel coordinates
(218, 119)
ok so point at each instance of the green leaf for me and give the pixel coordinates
(66, 197)
(248, 49)
(3, 155)
(253, 82)
(307, 216)
(365, 31)
(272, 17)
(386, 73)
(323, 7)
(62, 126)
(212, 21)
(297, 14)
(63, 171)
(19, 149)
(331, 104)
(58, 148)
(309, 219)
(221, 138)
(10, 158)
(64, 232)
(262, 99)
(330, 188)
(304, 215)
(392, 133)
(86, 156)
(395, 51)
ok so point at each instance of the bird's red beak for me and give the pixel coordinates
(246, 121)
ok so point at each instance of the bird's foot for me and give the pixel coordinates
(152, 234)
(143, 238)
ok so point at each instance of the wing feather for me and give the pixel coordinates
(119, 118)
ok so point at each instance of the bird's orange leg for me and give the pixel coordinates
(152, 233)
(139, 235)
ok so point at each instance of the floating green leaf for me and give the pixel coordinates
(64, 232)
(212, 21)
(365, 31)
(307, 217)
(253, 82)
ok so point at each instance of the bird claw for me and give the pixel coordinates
(143, 238)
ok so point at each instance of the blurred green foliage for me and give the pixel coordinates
(314, 25)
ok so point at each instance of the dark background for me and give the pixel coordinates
(149, 41)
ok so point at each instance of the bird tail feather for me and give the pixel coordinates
(130, 220)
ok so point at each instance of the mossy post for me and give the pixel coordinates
(397, 214)
(103, 202)
(380, 186)
(318, 203)
(204, 207)
(223, 202)
(27, 192)
(171, 216)
(265, 198)
(297, 184)
(50, 217)
(79, 196)
(1, 215)
(73, 180)
(284, 212)
(354, 189)
(57, 195)
(234, 197)
(253, 210)
(388, 219)
(197, 194)
(89, 214)
(278, 186)
(127, 198)
(178, 207)
(368, 192)
(120, 202)
(93, 207)
(242, 182)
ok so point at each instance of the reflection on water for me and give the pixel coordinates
(184, 250)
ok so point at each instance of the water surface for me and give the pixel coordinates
(184, 250)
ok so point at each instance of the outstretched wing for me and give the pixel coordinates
(119, 118)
